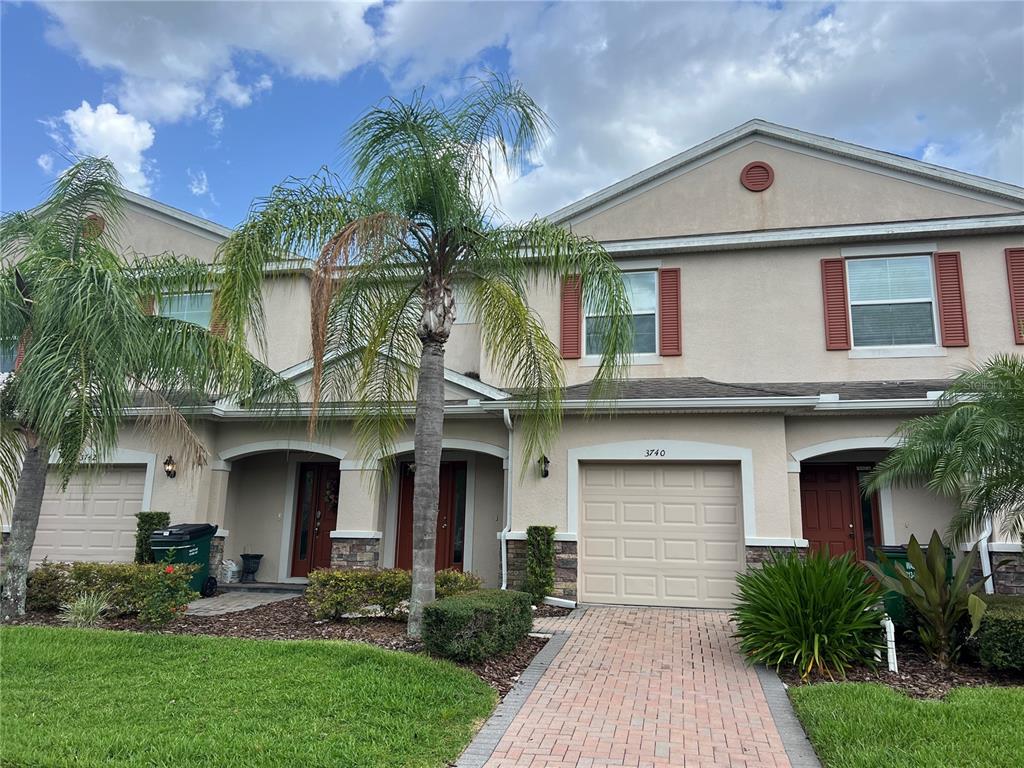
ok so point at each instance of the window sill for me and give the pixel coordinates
(867, 353)
(592, 361)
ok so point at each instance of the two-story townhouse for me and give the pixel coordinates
(795, 298)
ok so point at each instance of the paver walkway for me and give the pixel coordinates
(643, 687)
(229, 602)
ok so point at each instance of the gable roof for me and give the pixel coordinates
(996, 191)
(486, 391)
(178, 216)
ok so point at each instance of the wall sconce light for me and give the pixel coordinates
(170, 466)
(544, 466)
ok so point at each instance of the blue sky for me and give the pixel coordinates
(206, 105)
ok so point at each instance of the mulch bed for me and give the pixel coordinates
(545, 611)
(919, 677)
(291, 620)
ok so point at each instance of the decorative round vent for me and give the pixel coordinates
(94, 226)
(757, 176)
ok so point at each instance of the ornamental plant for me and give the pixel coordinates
(540, 562)
(940, 605)
(84, 611)
(816, 614)
(148, 522)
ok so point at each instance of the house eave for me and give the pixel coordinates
(774, 238)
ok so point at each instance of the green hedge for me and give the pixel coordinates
(148, 522)
(540, 562)
(334, 594)
(478, 625)
(1000, 639)
(149, 591)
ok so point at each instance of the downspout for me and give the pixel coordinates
(986, 559)
(508, 502)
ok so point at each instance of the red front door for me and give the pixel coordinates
(316, 515)
(829, 499)
(451, 517)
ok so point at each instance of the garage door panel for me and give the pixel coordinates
(668, 534)
(93, 519)
(678, 514)
(721, 514)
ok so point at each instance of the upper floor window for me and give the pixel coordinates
(892, 301)
(642, 290)
(194, 308)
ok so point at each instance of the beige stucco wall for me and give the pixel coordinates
(756, 316)
(256, 509)
(149, 233)
(488, 511)
(543, 501)
(808, 191)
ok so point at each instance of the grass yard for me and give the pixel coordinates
(92, 697)
(866, 725)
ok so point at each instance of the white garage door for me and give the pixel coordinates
(93, 519)
(660, 534)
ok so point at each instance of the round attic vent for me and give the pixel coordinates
(757, 176)
(94, 225)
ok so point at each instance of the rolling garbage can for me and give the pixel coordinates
(188, 544)
(894, 603)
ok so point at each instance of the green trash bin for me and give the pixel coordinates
(894, 604)
(188, 543)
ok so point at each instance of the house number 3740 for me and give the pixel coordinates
(652, 453)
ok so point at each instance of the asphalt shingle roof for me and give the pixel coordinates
(691, 387)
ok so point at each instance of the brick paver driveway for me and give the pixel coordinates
(643, 687)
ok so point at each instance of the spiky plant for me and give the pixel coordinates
(389, 248)
(85, 611)
(76, 306)
(972, 450)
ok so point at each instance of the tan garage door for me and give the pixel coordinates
(93, 519)
(660, 534)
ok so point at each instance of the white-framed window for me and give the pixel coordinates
(642, 290)
(194, 308)
(892, 301)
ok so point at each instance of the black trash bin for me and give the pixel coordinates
(188, 543)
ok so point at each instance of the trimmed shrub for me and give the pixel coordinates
(1000, 639)
(452, 582)
(49, 587)
(84, 611)
(815, 613)
(478, 625)
(148, 522)
(335, 594)
(148, 591)
(540, 562)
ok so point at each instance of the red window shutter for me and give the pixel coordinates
(572, 318)
(1015, 276)
(833, 290)
(949, 288)
(670, 324)
(217, 326)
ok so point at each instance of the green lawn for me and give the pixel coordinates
(97, 698)
(855, 725)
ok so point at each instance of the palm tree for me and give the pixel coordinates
(77, 308)
(972, 450)
(389, 248)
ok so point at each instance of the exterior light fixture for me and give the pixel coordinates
(170, 466)
(544, 466)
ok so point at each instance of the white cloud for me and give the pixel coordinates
(628, 85)
(105, 132)
(198, 184)
(45, 162)
(176, 60)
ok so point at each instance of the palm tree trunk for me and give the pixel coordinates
(25, 518)
(426, 489)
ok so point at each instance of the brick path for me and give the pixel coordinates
(230, 602)
(643, 687)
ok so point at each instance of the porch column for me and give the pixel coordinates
(357, 538)
(216, 511)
